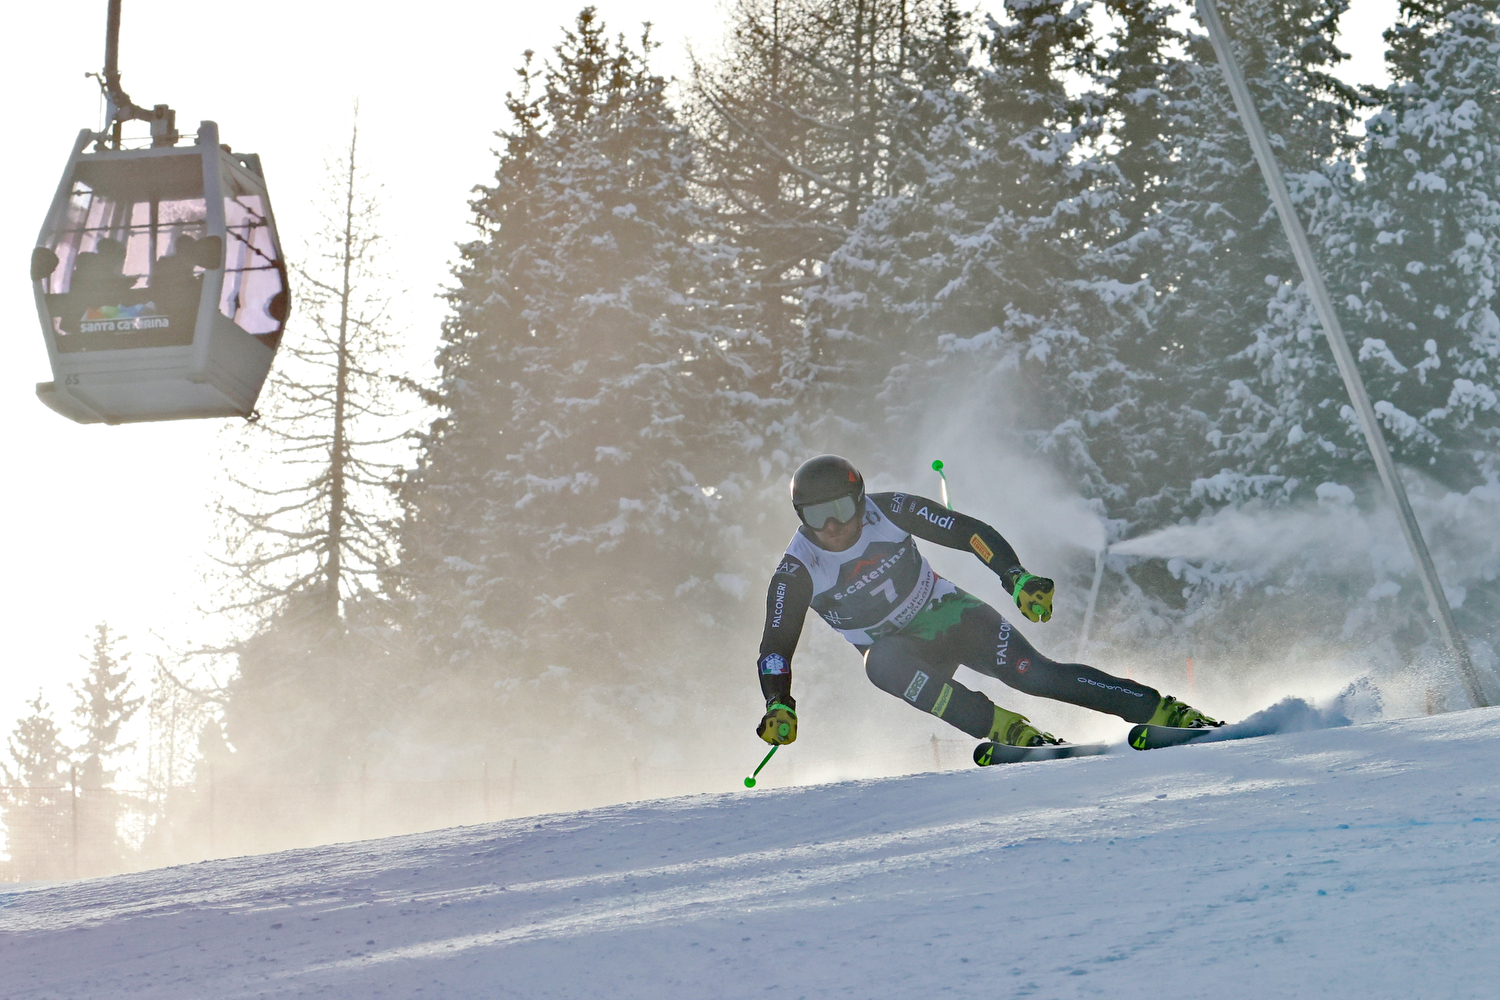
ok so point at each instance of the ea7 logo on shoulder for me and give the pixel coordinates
(787, 568)
(936, 517)
(898, 500)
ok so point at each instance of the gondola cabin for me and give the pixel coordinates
(159, 282)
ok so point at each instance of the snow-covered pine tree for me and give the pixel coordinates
(1425, 246)
(797, 121)
(1274, 410)
(37, 807)
(1405, 253)
(967, 284)
(574, 511)
(1206, 248)
(1417, 266)
(1134, 60)
(1406, 250)
(1215, 243)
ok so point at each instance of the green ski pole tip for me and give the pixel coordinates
(937, 465)
(750, 781)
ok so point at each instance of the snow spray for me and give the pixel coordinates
(750, 781)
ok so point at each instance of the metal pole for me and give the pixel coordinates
(73, 794)
(118, 105)
(112, 47)
(1437, 601)
(213, 846)
(937, 467)
(1088, 614)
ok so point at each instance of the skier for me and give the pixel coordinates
(854, 561)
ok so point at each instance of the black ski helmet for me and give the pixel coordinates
(823, 479)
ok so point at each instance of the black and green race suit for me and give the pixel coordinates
(915, 628)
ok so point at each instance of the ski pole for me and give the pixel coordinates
(937, 466)
(750, 781)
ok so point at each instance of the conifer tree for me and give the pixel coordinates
(576, 503)
(1211, 273)
(313, 533)
(318, 517)
(1425, 246)
(104, 705)
(1134, 63)
(798, 119)
(1214, 244)
(37, 805)
(1407, 253)
(1412, 251)
(176, 715)
(970, 276)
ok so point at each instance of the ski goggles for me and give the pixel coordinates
(842, 510)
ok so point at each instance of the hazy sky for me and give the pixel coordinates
(113, 523)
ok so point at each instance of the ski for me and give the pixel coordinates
(1290, 715)
(1148, 737)
(988, 753)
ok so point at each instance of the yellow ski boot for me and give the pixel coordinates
(1180, 715)
(1014, 729)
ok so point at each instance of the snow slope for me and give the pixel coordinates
(1350, 862)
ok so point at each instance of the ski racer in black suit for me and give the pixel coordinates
(855, 562)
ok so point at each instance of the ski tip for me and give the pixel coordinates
(1138, 737)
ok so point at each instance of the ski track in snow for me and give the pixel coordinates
(1355, 861)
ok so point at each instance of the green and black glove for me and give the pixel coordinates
(779, 724)
(1033, 594)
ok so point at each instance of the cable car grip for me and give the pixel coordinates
(120, 108)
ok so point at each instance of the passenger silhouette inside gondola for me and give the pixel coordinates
(98, 277)
(175, 288)
(99, 287)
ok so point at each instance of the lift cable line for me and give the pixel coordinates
(1437, 600)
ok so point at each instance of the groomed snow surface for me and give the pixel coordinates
(1347, 862)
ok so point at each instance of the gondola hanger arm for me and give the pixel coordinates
(120, 108)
